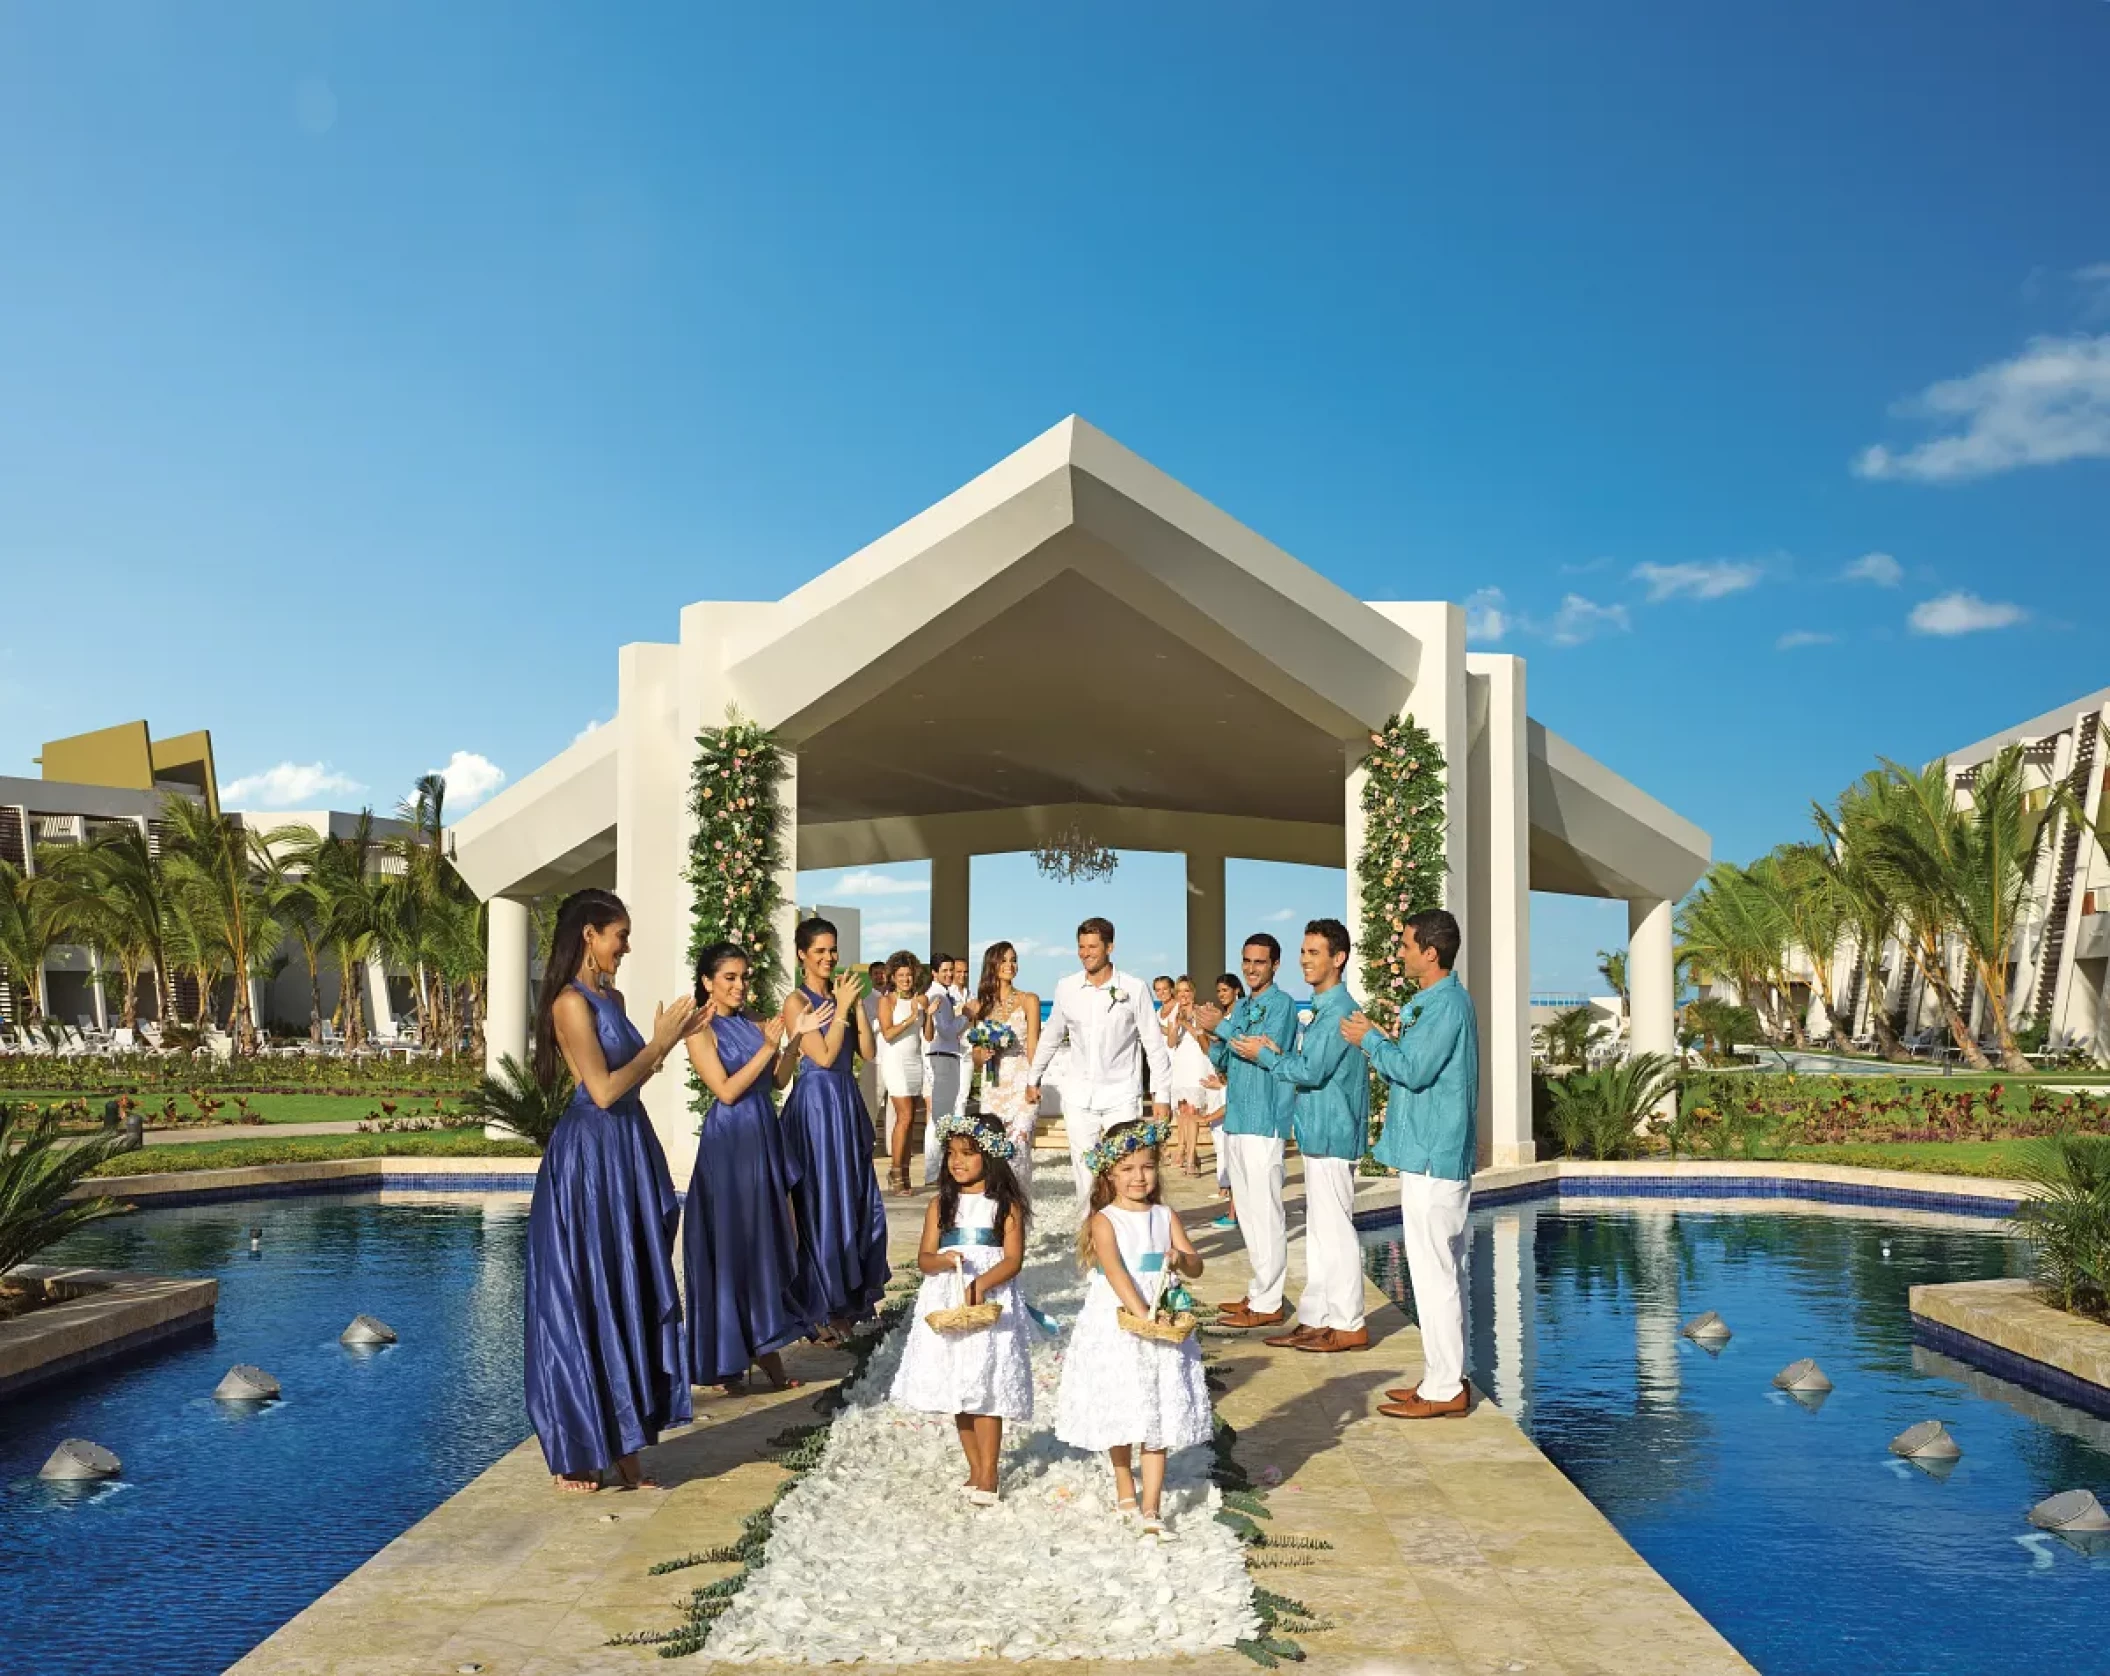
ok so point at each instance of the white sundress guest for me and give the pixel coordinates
(1120, 1391)
(900, 1052)
(974, 1231)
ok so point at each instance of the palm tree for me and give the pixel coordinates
(29, 930)
(339, 874)
(1849, 873)
(295, 907)
(115, 895)
(1611, 965)
(1815, 915)
(1565, 1038)
(1604, 1110)
(1734, 926)
(216, 865)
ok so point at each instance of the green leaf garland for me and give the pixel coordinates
(737, 851)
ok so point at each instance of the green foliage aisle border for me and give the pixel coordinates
(738, 849)
(1402, 868)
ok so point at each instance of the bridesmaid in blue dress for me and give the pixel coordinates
(842, 1218)
(749, 1294)
(605, 1364)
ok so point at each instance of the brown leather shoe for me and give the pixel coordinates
(1327, 1340)
(1296, 1338)
(1416, 1407)
(1245, 1320)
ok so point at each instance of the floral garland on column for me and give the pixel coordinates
(737, 850)
(1401, 870)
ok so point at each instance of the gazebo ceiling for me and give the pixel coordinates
(1069, 695)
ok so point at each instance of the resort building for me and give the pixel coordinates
(1068, 599)
(123, 775)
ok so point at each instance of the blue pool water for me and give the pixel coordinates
(227, 1522)
(1795, 1532)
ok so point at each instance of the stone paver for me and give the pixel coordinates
(2010, 1315)
(1457, 1547)
(107, 1313)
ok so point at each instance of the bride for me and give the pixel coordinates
(1004, 1084)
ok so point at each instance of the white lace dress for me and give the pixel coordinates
(1118, 1388)
(1004, 1081)
(989, 1371)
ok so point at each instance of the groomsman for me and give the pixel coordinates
(1431, 1113)
(1105, 1016)
(1331, 1116)
(1256, 1123)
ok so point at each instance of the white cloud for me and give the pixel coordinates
(291, 785)
(2047, 405)
(2094, 281)
(1485, 619)
(470, 779)
(1802, 637)
(1962, 613)
(1581, 619)
(1694, 579)
(863, 881)
(1281, 916)
(590, 728)
(894, 933)
(1879, 568)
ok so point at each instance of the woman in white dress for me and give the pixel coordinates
(1004, 1082)
(902, 1016)
(974, 1244)
(1191, 1073)
(1121, 1391)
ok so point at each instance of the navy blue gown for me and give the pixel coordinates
(606, 1366)
(841, 1216)
(748, 1292)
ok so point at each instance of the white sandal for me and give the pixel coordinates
(982, 1498)
(1154, 1525)
(1127, 1510)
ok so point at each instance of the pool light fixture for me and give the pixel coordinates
(244, 1383)
(367, 1332)
(2070, 1511)
(77, 1459)
(256, 1238)
(1804, 1376)
(1706, 1328)
(1927, 1441)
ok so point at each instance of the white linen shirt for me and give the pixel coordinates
(1109, 1040)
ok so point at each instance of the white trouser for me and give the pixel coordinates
(1333, 1256)
(1256, 1194)
(1432, 1219)
(947, 1090)
(1087, 1116)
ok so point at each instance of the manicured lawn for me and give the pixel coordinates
(273, 1108)
(1942, 1158)
(308, 1149)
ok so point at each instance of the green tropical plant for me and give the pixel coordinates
(29, 928)
(216, 866)
(1721, 1027)
(1847, 871)
(114, 894)
(2068, 1223)
(1604, 1112)
(339, 873)
(37, 1171)
(1734, 926)
(514, 1100)
(1566, 1037)
(1611, 966)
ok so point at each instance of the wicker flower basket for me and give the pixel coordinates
(1165, 1329)
(963, 1317)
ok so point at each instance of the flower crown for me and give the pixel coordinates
(1103, 1155)
(992, 1141)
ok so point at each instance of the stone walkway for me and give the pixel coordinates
(1457, 1547)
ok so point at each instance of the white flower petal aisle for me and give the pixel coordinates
(875, 1554)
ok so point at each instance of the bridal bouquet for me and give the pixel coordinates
(987, 1033)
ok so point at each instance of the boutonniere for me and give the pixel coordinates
(1117, 995)
(1413, 1018)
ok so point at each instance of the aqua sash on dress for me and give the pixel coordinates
(989, 1237)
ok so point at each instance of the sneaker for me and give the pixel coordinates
(1225, 1222)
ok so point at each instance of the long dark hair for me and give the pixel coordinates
(714, 956)
(583, 908)
(999, 1181)
(986, 992)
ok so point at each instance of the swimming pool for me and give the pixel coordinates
(229, 1521)
(1792, 1529)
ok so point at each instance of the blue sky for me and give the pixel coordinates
(371, 372)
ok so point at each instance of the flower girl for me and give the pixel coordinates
(974, 1243)
(1120, 1389)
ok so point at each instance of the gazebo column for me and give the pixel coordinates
(1205, 920)
(950, 903)
(508, 939)
(1497, 956)
(1651, 977)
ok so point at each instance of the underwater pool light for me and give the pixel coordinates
(1927, 1441)
(1804, 1376)
(367, 1331)
(77, 1458)
(244, 1383)
(2070, 1510)
(1706, 1328)
(256, 1238)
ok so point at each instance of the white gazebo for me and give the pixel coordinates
(1134, 662)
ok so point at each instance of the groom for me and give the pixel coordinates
(1106, 1017)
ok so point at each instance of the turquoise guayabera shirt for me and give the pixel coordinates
(1434, 1070)
(1332, 1110)
(1256, 1101)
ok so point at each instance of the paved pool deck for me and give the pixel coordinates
(1457, 1549)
